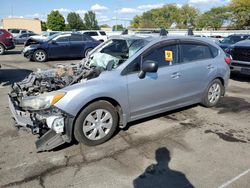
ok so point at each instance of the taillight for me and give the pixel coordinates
(228, 60)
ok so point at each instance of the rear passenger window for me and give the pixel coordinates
(194, 52)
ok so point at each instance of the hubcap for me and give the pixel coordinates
(1, 49)
(97, 124)
(214, 93)
(40, 56)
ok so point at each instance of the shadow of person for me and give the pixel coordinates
(160, 175)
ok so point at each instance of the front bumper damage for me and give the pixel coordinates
(53, 126)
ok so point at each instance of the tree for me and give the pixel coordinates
(55, 21)
(240, 13)
(117, 27)
(135, 23)
(214, 18)
(104, 26)
(90, 21)
(188, 17)
(43, 26)
(75, 21)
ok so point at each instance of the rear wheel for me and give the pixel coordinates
(40, 56)
(213, 93)
(2, 49)
(96, 123)
(87, 51)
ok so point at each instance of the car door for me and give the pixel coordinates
(157, 91)
(76, 46)
(59, 47)
(198, 68)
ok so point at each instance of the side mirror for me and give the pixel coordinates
(148, 66)
(53, 42)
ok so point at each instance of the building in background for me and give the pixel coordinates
(22, 23)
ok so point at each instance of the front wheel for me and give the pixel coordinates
(213, 93)
(96, 123)
(2, 49)
(40, 56)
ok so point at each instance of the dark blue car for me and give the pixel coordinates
(62, 45)
(232, 39)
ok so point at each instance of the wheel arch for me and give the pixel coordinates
(122, 122)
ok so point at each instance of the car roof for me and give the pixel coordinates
(156, 39)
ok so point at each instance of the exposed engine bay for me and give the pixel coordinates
(32, 100)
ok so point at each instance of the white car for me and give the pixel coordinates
(97, 35)
(44, 35)
(17, 32)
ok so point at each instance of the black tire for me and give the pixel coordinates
(2, 49)
(87, 51)
(82, 119)
(40, 56)
(216, 94)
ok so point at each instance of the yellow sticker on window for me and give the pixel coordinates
(168, 55)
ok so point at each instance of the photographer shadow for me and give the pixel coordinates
(160, 175)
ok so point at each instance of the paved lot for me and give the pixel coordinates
(194, 146)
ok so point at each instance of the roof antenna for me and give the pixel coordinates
(163, 32)
(125, 32)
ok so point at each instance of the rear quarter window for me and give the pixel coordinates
(195, 52)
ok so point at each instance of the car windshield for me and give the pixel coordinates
(233, 39)
(116, 51)
(52, 36)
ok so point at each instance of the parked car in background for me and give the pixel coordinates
(232, 39)
(61, 45)
(21, 39)
(45, 35)
(6, 41)
(97, 35)
(124, 79)
(240, 53)
(16, 32)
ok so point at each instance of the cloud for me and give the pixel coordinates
(103, 18)
(98, 8)
(207, 2)
(128, 11)
(150, 6)
(80, 11)
(63, 10)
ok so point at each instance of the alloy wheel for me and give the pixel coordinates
(214, 93)
(40, 56)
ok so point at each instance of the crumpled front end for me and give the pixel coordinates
(53, 126)
(32, 100)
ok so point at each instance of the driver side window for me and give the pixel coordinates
(157, 54)
(63, 39)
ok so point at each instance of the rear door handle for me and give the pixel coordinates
(209, 67)
(176, 75)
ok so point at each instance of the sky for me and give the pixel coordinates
(107, 11)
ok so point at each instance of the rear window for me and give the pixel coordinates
(102, 33)
(194, 52)
(15, 31)
(91, 33)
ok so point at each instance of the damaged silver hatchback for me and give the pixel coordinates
(123, 79)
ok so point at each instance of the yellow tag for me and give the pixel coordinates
(168, 55)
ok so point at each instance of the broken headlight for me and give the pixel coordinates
(41, 102)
